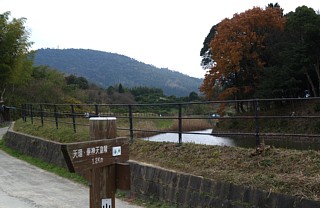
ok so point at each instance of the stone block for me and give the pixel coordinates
(285, 201)
(162, 192)
(172, 179)
(153, 188)
(235, 192)
(215, 202)
(259, 198)
(142, 171)
(215, 188)
(181, 196)
(224, 190)
(206, 186)
(149, 173)
(305, 203)
(247, 195)
(195, 183)
(137, 185)
(133, 167)
(171, 195)
(194, 199)
(162, 174)
(204, 200)
(145, 187)
(271, 200)
(183, 181)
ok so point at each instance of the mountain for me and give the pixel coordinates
(108, 69)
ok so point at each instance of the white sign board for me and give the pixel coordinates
(116, 151)
(106, 203)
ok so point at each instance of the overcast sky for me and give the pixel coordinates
(164, 33)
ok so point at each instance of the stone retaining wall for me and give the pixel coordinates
(36, 147)
(184, 190)
(171, 187)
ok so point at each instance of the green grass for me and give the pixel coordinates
(163, 123)
(64, 133)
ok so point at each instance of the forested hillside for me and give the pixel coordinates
(108, 69)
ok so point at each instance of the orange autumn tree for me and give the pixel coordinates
(239, 52)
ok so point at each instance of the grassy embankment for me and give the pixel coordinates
(292, 172)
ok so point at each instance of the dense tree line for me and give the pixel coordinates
(47, 85)
(23, 82)
(263, 53)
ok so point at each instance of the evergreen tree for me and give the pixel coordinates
(120, 88)
(15, 60)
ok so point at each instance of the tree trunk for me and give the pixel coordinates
(242, 108)
(4, 114)
(311, 84)
(1, 117)
(1, 107)
(316, 67)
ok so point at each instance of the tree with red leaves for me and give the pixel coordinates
(239, 55)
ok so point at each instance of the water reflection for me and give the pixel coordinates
(193, 137)
(247, 142)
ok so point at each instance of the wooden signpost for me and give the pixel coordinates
(84, 156)
(104, 159)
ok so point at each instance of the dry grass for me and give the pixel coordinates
(145, 125)
(291, 172)
(171, 125)
(189, 124)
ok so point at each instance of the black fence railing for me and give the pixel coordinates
(246, 118)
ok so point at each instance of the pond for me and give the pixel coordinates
(205, 137)
(193, 138)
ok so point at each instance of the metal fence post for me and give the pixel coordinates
(96, 109)
(73, 119)
(180, 123)
(27, 111)
(257, 109)
(131, 123)
(56, 116)
(31, 113)
(41, 115)
(23, 112)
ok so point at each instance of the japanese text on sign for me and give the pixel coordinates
(79, 153)
(97, 160)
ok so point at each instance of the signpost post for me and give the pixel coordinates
(104, 157)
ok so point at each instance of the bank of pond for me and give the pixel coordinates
(206, 137)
